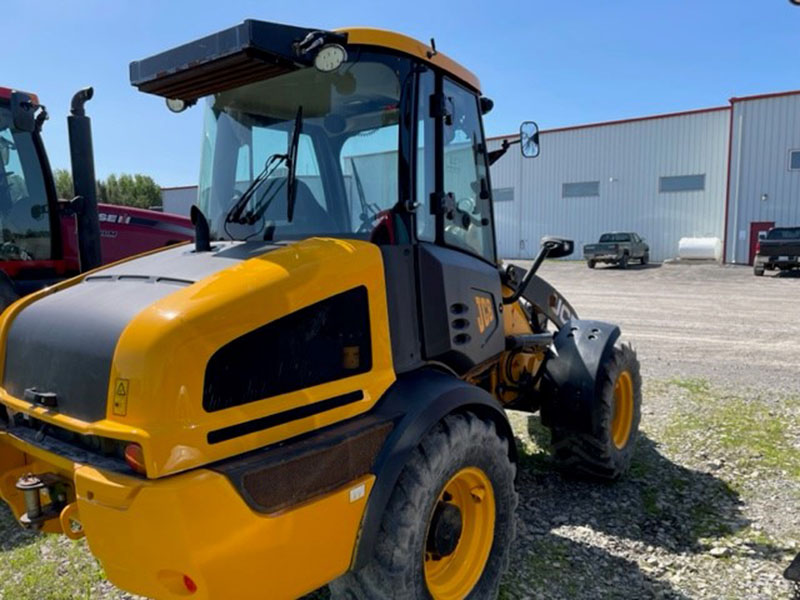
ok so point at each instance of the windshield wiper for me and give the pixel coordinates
(290, 158)
(291, 189)
(235, 215)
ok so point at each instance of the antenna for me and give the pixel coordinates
(432, 52)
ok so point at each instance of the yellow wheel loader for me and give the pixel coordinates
(313, 392)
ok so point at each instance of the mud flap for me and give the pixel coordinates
(570, 382)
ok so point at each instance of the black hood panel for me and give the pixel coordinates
(65, 342)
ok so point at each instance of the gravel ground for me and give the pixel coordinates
(709, 508)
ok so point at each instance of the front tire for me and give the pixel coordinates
(645, 258)
(447, 531)
(606, 452)
(623, 262)
(590, 263)
(758, 271)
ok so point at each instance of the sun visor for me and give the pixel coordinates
(251, 51)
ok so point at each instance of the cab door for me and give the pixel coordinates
(458, 278)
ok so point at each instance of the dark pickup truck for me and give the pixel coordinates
(617, 248)
(779, 249)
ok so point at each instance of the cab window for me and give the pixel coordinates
(469, 227)
(24, 218)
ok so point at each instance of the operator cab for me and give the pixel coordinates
(368, 110)
(353, 134)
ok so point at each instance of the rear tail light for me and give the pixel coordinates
(189, 584)
(134, 456)
(758, 246)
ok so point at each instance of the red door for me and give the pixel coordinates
(757, 227)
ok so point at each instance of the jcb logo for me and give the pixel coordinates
(485, 312)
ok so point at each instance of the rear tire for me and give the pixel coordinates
(590, 263)
(606, 453)
(758, 271)
(461, 449)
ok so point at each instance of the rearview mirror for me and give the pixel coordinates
(529, 139)
(557, 247)
(23, 111)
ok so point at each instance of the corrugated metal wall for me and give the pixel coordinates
(627, 159)
(764, 132)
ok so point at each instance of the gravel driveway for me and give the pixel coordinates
(709, 509)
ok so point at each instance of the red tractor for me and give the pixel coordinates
(44, 239)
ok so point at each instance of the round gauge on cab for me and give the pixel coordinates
(330, 57)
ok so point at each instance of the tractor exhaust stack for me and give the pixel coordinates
(85, 202)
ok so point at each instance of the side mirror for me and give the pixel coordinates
(529, 139)
(23, 111)
(557, 247)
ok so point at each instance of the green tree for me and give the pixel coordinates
(64, 187)
(129, 190)
(126, 190)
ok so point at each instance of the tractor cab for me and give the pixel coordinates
(29, 229)
(354, 133)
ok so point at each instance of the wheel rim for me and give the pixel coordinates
(454, 576)
(623, 410)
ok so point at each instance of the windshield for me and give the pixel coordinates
(347, 152)
(615, 237)
(24, 219)
(784, 233)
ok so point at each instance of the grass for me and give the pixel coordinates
(751, 431)
(46, 567)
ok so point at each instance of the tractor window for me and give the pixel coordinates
(465, 175)
(369, 167)
(349, 124)
(24, 219)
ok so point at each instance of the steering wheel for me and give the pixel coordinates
(11, 251)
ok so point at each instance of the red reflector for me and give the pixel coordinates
(191, 586)
(134, 456)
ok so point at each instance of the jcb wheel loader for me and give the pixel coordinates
(315, 391)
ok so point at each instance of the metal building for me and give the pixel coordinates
(663, 177)
(666, 177)
(764, 188)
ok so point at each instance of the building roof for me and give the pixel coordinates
(658, 116)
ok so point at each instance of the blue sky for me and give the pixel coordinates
(557, 62)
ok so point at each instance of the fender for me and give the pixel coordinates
(571, 379)
(416, 402)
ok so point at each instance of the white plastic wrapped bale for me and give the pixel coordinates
(700, 248)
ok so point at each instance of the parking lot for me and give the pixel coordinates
(697, 320)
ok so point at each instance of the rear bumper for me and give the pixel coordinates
(777, 262)
(148, 534)
(602, 257)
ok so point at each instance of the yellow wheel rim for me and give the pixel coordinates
(454, 576)
(622, 420)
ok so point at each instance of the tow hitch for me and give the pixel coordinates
(36, 489)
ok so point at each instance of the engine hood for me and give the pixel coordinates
(124, 350)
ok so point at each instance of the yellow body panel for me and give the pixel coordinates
(149, 534)
(408, 45)
(162, 354)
